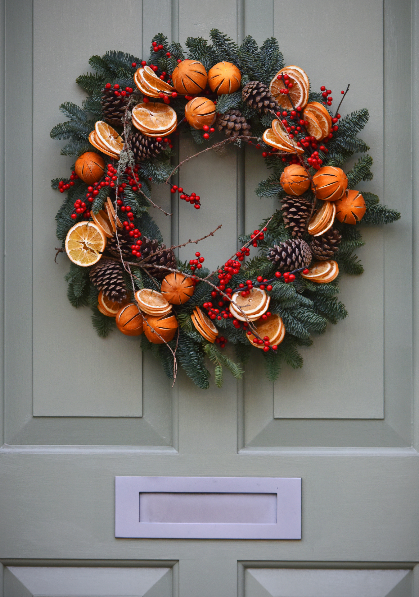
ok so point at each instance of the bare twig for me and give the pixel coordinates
(216, 145)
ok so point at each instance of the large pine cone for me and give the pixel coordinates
(296, 212)
(162, 257)
(107, 275)
(113, 106)
(325, 246)
(290, 255)
(258, 96)
(233, 123)
(144, 148)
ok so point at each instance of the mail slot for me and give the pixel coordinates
(208, 507)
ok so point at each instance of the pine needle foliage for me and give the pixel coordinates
(102, 324)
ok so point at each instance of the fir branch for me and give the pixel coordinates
(225, 48)
(330, 307)
(102, 324)
(350, 264)
(380, 214)
(74, 112)
(200, 50)
(269, 187)
(288, 352)
(220, 360)
(272, 360)
(77, 300)
(191, 357)
(228, 101)
(91, 83)
(271, 59)
(360, 171)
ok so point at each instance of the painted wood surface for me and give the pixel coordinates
(346, 423)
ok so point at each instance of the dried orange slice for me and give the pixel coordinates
(206, 323)
(108, 307)
(323, 117)
(154, 117)
(330, 275)
(95, 142)
(312, 125)
(149, 133)
(279, 130)
(322, 218)
(249, 307)
(144, 87)
(328, 223)
(271, 327)
(152, 302)
(297, 95)
(113, 218)
(85, 243)
(270, 138)
(102, 220)
(318, 270)
(108, 137)
(153, 80)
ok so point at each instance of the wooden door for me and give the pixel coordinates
(79, 411)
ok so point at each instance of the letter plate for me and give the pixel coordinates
(208, 507)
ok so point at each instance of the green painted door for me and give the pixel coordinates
(79, 411)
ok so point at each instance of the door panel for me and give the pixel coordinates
(79, 410)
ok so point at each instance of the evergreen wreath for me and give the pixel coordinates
(120, 267)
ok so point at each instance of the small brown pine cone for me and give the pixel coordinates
(258, 96)
(296, 212)
(144, 148)
(113, 106)
(233, 123)
(290, 255)
(160, 256)
(107, 275)
(325, 246)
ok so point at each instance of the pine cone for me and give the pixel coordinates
(296, 211)
(290, 255)
(107, 275)
(162, 256)
(233, 123)
(258, 96)
(113, 106)
(325, 246)
(125, 243)
(144, 147)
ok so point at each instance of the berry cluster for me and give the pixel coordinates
(109, 181)
(265, 342)
(221, 341)
(64, 186)
(207, 131)
(118, 92)
(193, 198)
(326, 94)
(288, 84)
(196, 263)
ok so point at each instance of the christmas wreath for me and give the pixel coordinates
(220, 93)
